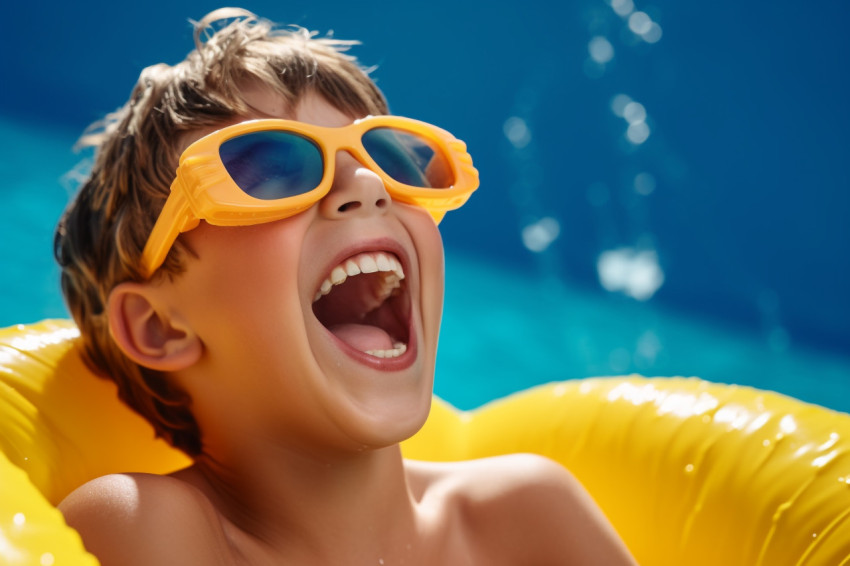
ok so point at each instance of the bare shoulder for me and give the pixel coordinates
(119, 515)
(527, 509)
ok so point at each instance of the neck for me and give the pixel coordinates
(342, 504)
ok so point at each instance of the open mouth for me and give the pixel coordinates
(364, 302)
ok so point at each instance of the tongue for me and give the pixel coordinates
(363, 337)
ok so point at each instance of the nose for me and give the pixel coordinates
(356, 190)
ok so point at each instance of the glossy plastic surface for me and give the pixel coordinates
(689, 472)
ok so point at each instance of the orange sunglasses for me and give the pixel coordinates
(265, 170)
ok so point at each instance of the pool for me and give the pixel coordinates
(522, 331)
(504, 329)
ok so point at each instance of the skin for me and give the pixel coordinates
(301, 461)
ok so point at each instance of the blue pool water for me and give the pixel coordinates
(664, 184)
(505, 331)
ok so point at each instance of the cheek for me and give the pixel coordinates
(433, 284)
(241, 275)
(433, 268)
(429, 248)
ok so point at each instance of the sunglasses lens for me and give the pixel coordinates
(409, 158)
(271, 165)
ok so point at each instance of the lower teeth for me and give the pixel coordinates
(396, 351)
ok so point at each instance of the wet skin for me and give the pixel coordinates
(300, 427)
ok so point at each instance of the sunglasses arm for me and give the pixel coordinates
(176, 217)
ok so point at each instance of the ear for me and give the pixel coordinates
(147, 335)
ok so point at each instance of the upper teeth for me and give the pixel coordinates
(364, 263)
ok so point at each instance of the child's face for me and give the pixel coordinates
(358, 360)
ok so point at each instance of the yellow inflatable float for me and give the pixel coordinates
(689, 472)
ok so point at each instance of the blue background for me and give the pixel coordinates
(747, 107)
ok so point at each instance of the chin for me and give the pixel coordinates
(385, 418)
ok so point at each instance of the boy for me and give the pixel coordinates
(274, 311)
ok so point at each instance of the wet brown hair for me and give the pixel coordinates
(100, 237)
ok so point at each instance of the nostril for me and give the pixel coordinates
(352, 205)
(355, 204)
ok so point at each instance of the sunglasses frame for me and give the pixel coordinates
(203, 190)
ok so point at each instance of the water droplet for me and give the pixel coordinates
(637, 133)
(538, 236)
(644, 183)
(634, 112)
(517, 132)
(600, 49)
(653, 34)
(640, 23)
(619, 103)
(633, 272)
(648, 347)
(622, 7)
